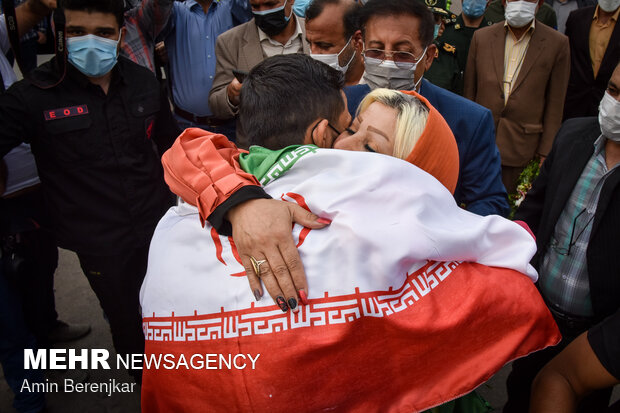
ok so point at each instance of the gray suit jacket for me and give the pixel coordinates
(238, 48)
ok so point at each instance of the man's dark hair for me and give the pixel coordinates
(384, 8)
(284, 94)
(350, 20)
(115, 7)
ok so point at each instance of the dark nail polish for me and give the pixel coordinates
(303, 297)
(292, 303)
(257, 295)
(282, 304)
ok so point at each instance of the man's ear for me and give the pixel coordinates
(122, 40)
(431, 51)
(316, 134)
(322, 135)
(357, 40)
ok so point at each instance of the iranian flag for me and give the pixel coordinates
(413, 301)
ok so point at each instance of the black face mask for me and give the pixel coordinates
(273, 21)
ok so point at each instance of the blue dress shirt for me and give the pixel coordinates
(191, 48)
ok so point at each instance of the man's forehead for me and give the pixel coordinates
(91, 20)
(328, 24)
(393, 29)
(331, 18)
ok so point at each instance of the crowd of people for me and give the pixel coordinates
(159, 98)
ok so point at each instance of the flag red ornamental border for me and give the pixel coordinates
(448, 329)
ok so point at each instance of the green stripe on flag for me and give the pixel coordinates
(267, 165)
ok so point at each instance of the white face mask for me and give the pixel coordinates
(333, 60)
(609, 5)
(520, 13)
(609, 117)
(389, 75)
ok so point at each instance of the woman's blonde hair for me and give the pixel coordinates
(410, 121)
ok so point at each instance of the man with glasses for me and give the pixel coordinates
(519, 70)
(573, 210)
(398, 50)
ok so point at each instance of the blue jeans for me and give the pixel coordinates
(14, 338)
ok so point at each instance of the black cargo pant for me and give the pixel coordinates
(116, 281)
(30, 259)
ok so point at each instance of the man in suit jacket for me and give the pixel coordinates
(545, 14)
(479, 187)
(563, 8)
(572, 209)
(246, 45)
(519, 69)
(585, 87)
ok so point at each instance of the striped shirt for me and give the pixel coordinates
(143, 24)
(563, 275)
(514, 55)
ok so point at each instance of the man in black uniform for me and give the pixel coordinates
(448, 67)
(96, 137)
(443, 17)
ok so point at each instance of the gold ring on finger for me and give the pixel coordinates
(256, 265)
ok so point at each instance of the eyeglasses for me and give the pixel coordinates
(332, 127)
(573, 240)
(401, 59)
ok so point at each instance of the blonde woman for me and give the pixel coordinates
(404, 125)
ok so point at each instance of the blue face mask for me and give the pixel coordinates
(92, 55)
(436, 32)
(474, 8)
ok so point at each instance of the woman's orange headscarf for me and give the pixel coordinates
(436, 151)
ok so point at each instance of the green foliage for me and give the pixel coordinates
(526, 179)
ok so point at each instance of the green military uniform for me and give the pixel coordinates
(452, 48)
(545, 14)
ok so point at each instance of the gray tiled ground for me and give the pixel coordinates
(76, 303)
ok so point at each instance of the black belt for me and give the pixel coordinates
(201, 120)
(571, 325)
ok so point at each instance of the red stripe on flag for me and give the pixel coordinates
(218, 245)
